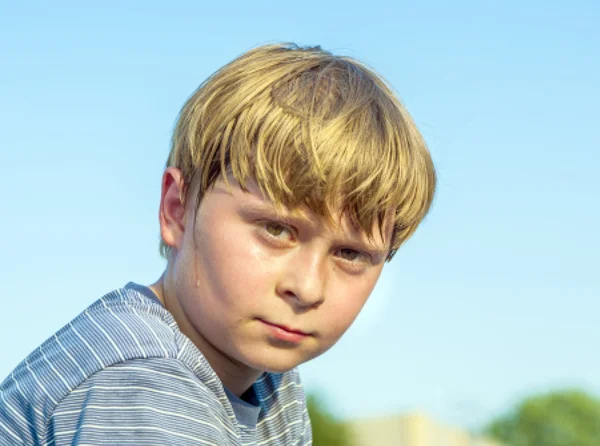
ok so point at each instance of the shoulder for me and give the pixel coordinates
(152, 400)
(284, 414)
(121, 326)
(165, 379)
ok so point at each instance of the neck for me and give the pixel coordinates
(235, 376)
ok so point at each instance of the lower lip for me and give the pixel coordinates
(283, 334)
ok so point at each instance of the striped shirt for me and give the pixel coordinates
(123, 373)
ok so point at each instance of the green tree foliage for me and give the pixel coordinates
(566, 418)
(327, 431)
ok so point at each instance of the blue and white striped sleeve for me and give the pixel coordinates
(142, 402)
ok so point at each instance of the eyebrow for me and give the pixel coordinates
(267, 207)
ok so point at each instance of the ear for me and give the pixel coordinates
(172, 209)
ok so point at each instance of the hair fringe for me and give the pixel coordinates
(312, 129)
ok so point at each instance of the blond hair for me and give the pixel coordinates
(312, 129)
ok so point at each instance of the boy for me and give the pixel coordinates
(293, 176)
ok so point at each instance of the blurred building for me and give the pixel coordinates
(411, 430)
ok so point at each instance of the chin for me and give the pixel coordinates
(280, 368)
(276, 362)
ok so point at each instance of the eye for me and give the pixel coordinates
(353, 256)
(276, 231)
(349, 254)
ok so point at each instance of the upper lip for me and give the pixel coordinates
(285, 327)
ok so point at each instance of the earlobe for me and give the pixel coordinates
(172, 209)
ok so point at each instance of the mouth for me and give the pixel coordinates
(284, 332)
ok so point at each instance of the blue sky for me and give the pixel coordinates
(494, 298)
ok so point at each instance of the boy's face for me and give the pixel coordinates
(264, 290)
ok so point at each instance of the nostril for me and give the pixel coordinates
(291, 295)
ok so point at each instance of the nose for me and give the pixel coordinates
(302, 282)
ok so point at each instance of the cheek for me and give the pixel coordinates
(236, 269)
(345, 302)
